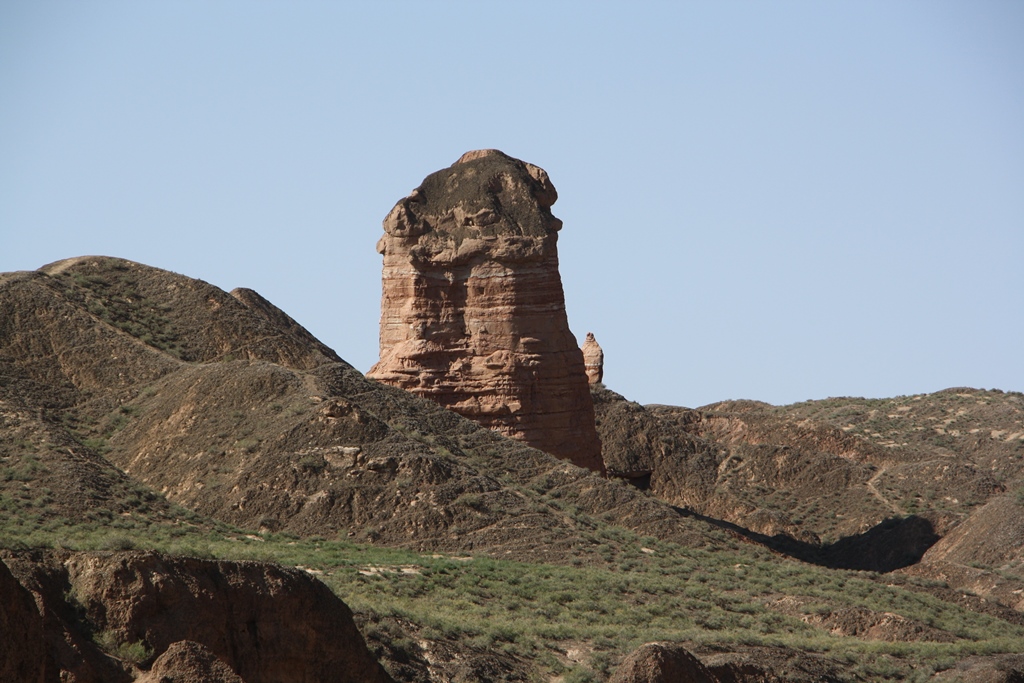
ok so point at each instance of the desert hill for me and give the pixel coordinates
(855, 483)
(141, 408)
(225, 405)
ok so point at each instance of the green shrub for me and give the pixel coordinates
(136, 652)
(118, 542)
(312, 463)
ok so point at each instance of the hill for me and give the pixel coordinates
(144, 409)
(852, 483)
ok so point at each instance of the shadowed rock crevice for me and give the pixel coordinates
(893, 544)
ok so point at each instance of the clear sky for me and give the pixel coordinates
(778, 201)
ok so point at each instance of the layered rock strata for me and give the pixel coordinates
(593, 359)
(472, 312)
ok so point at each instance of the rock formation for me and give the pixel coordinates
(662, 663)
(473, 314)
(193, 620)
(593, 359)
(189, 662)
(23, 655)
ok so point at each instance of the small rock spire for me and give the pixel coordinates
(593, 359)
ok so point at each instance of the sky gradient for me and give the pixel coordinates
(775, 201)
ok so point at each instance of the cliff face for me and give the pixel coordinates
(472, 312)
(202, 620)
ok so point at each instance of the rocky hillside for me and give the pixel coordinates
(223, 404)
(862, 484)
(144, 409)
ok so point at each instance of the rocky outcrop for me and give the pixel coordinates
(593, 359)
(472, 312)
(673, 663)
(662, 663)
(114, 617)
(985, 669)
(268, 623)
(993, 535)
(189, 662)
(22, 653)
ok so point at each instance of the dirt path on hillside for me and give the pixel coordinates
(878, 494)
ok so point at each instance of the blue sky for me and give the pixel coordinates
(777, 201)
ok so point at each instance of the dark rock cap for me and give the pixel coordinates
(486, 193)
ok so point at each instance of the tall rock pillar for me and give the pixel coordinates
(472, 312)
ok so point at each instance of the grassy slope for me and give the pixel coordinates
(536, 613)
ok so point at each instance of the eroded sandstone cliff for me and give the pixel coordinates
(473, 314)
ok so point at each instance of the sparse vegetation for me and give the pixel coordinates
(535, 611)
(135, 653)
(113, 297)
(499, 551)
(312, 463)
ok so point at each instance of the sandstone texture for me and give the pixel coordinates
(189, 662)
(841, 482)
(473, 313)
(186, 620)
(593, 359)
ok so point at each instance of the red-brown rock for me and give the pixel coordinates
(593, 359)
(23, 655)
(267, 623)
(102, 617)
(189, 662)
(473, 314)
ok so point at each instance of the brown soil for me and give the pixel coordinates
(401, 646)
(992, 669)
(189, 662)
